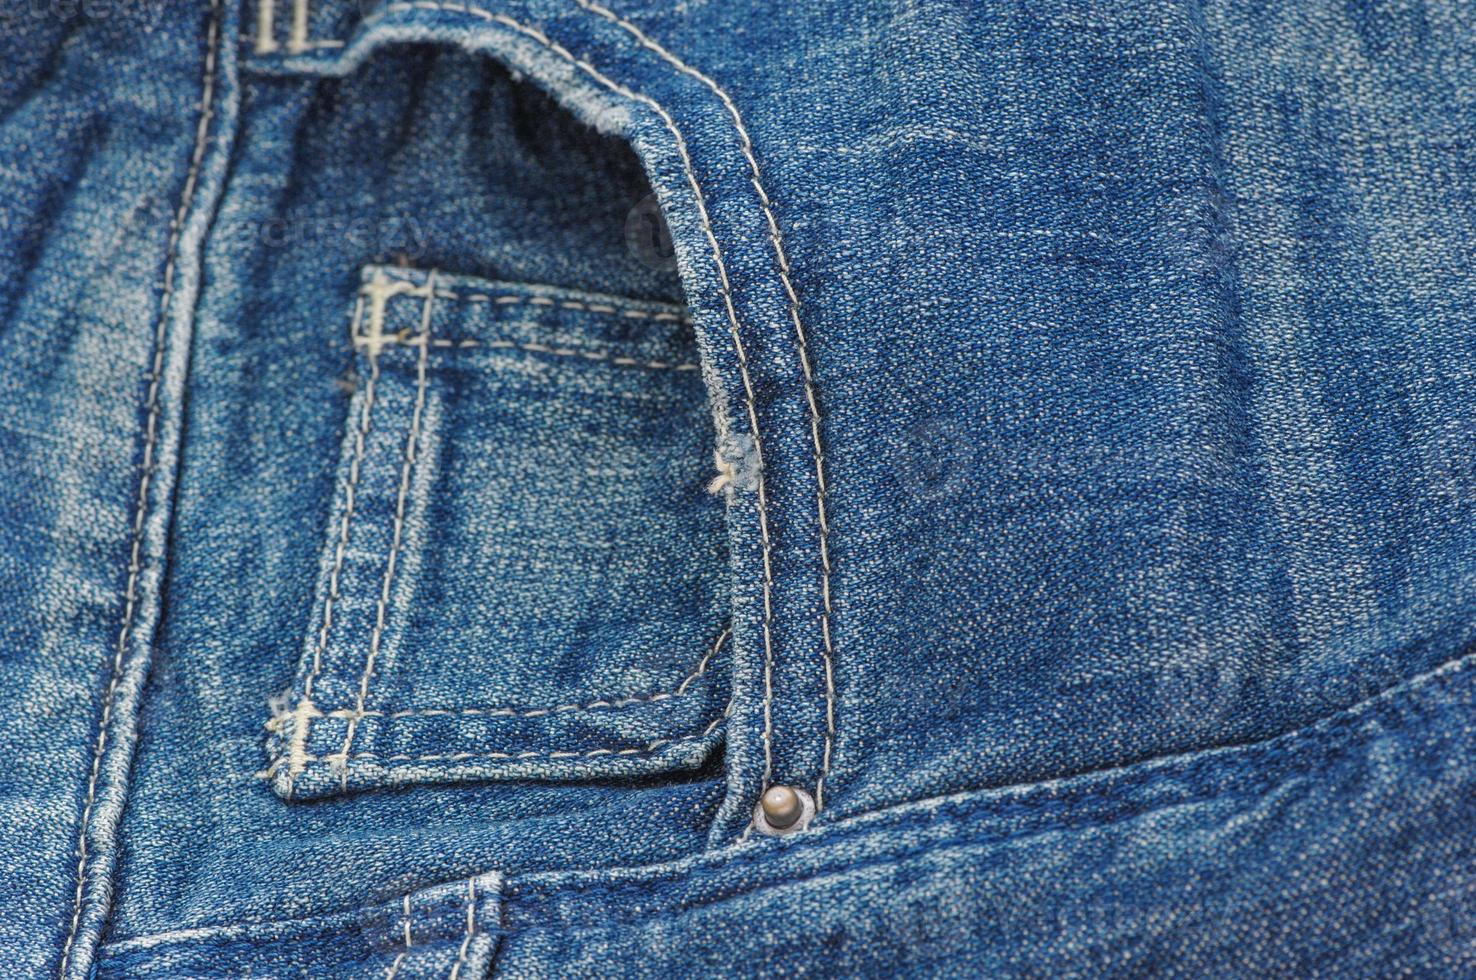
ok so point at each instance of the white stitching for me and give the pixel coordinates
(471, 926)
(266, 11)
(338, 758)
(361, 436)
(724, 289)
(513, 298)
(135, 566)
(301, 718)
(394, 968)
(407, 337)
(604, 703)
(745, 146)
(407, 468)
(414, 340)
(568, 304)
(298, 39)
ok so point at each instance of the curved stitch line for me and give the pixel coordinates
(1247, 769)
(340, 757)
(724, 288)
(407, 468)
(151, 437)
(745, 146)
(603, 703)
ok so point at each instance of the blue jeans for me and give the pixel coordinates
(854, 488)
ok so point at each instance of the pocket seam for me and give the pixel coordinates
(513, 299)
(378, 297)
(652, 746)
(291, 756)
(381, 292)
(510, 712)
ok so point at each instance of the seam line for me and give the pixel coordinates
(603, 703)
(509, 299)
(350, 500)
(724, 288)
(141, 508)
(806, 362)
(405, 339)
(340, 758)
(407, 469)
(394, 968)
(471, 927)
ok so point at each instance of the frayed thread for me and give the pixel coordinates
(737, 462)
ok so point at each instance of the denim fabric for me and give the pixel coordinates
(459, 455)
(514, 463)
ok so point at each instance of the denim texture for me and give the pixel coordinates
(461, 454)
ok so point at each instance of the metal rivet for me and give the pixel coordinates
(781, 806)
(783, 810)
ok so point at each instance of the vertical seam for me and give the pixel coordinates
(350, 499)
(306, 710)
(297, 39)
(471, 927)
(776, 238)
(724, 289)
(151, 435)
(407, 469)
(394, 967)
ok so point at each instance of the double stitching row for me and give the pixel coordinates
(619, 360)
(471, 927)
(151, 438)
(407, 470)
(305, 711)
(297, 36)
(785, 270)
(502, 756)
(506, 299)
(776, 239)
(601, 704)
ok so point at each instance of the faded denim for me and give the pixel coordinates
(459, 455)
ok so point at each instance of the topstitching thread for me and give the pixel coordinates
(156, 372)
(776, 238)
(724, 288)
(407, 468)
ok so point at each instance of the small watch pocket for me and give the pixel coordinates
(522, 574)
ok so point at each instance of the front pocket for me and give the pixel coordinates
(523, 575)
